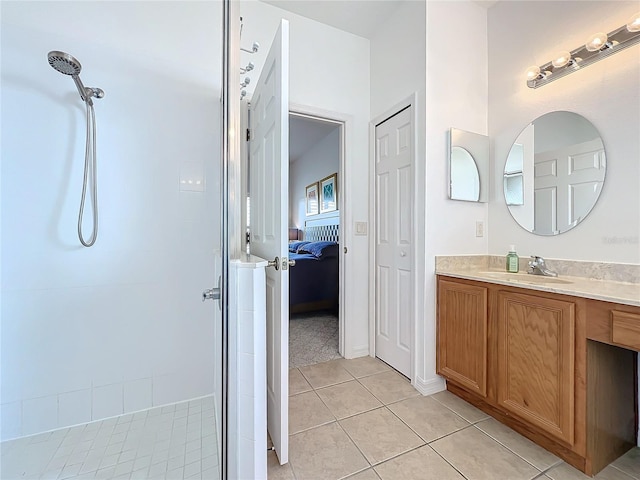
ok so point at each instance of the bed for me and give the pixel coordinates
(314, 280)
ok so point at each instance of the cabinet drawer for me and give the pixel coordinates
(625, 329)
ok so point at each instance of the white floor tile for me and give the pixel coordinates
(174, 441)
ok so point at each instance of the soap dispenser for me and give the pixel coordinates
(512, 260)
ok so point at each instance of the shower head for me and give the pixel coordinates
(68, 65)
(64, 63)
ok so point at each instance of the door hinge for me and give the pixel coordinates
(248, 134)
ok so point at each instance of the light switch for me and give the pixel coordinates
(480, 228)
(361, 228)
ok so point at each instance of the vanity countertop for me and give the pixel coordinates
(605, 290)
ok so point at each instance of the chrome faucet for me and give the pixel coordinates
(538, 267)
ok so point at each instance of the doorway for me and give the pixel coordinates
(315, 158)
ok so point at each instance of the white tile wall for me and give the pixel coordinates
(11, 419)
(138, 395)
(233, 459)
(75, 318)
(107, 401)
(248, 385)
(74, 408)
(39, 414)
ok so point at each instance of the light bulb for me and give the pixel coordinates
(633, 25)
(596, 42)
(533, 72)
(561, 59)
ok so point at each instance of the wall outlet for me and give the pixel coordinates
(479, 229)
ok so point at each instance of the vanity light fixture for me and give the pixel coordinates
(598, 46)
(597, 42)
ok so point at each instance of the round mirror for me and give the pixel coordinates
(554, 173)
(465, 179)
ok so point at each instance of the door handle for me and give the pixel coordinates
(211, 294)
(214, 293)
(286, 263)
(274, 263)
(403, 253)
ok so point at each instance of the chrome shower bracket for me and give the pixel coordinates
(250, 66)
(254, 48)
(94, 92)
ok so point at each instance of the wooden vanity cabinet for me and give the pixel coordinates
(523, 356)
(462, 335)
(536, 353)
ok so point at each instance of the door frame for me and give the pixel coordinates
(345, 341)
(417, 247)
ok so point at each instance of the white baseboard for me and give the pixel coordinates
(431, 386)
(361, 351)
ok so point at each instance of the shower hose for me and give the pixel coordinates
(90, 175)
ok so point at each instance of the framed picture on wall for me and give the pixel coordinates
(329, 194)
(312, 199)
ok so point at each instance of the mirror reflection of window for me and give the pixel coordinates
(465, 179)
(513, 185)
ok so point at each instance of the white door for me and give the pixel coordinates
(269, 147)
(394, 232)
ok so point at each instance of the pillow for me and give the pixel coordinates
(320, 249)
(294, 246)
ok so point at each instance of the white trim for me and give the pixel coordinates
(330, 218)
(346, 336)
(418, 247)
(431, 386)
(361, 351)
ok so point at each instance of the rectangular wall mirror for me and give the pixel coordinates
(468, 166)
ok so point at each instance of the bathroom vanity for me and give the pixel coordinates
(553, 358)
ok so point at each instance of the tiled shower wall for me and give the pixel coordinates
(89, 333)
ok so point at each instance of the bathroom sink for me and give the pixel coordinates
(525, 278)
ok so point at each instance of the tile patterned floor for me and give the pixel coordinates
(313, 338)
(172, 442)
(360, 420)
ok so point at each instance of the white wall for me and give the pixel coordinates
(398, 69)
(398, 58)
(91, 333)
(329, 72)
(320, 161)
(456, 96)
(606, 93)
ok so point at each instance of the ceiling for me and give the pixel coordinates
(304, 133)
(360, 17)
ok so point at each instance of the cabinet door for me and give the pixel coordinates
(462, 335)
(536, 352)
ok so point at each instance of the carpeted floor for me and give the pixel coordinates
(313, 338)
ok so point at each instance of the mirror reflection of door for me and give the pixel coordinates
(563, 165)
(465, 179)
(567, 181)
